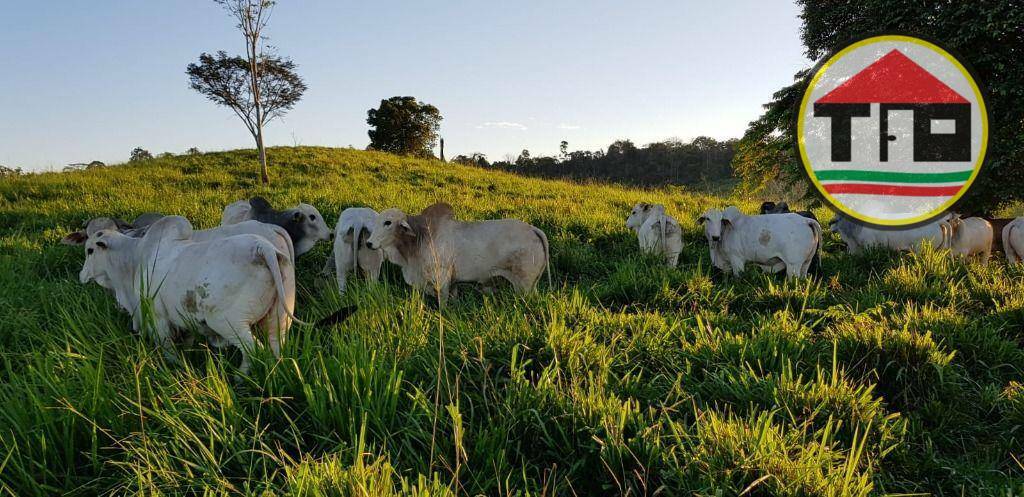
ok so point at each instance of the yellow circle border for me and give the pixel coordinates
(977, 164)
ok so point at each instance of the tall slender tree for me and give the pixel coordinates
(258, 87)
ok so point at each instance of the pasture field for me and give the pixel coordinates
(890, 374)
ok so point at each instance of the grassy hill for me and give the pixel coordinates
(891, 374)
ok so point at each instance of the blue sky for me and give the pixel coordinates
(91, 80)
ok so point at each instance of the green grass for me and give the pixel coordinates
(889, 374)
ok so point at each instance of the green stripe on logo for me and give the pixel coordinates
(892, 177)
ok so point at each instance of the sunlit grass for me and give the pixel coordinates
(891, 373)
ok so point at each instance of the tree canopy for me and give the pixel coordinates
(405, 126)
(989, 36)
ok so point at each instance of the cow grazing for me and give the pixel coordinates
(1013, 241)
(858, 236)
(303, 223)
(657, 232)
(783, 208)
(350, 251)
(436, 250)
(970, 236)
(775, 242)
(223, 287)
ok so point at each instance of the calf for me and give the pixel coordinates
(224, 287)
(657, 232)
(970, 236)
(774, 242)
(435, 250)
(783, 208)
(1013, 241)
(303, 223)
(350, 251)
(858, 236)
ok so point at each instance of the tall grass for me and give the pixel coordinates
(891, 373)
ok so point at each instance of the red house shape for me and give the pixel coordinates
(898, 83)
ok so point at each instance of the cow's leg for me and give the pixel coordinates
(238, 334)
(795, 270)
(737, 265)
(164, 337)
(371, 266)
(329, 266)
(986, 255)
(275, 324)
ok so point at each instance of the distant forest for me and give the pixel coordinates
(665, 162)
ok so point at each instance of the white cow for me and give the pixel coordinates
(1013, 241)
(858, 236)
(223, 287)
(350, 251)
(436, 250)
(303, 223)
(657, 232)
(774, 242)
(276, 235)
(970, 236)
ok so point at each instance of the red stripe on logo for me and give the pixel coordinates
(896, 190)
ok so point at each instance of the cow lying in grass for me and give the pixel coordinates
(436, 250)
(858, 236)
(970, 236)
(303, 223)
(222, 287)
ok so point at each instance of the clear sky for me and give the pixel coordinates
(88, 81)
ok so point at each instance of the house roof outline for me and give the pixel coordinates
(893, 79)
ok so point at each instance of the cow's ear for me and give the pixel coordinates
(297, 216)
(260, 204)
(647, 207)
(348, 235)
(702, 219)
(75, 238)
(407, 229)
(730, 215)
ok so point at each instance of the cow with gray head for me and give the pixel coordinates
(303, 222)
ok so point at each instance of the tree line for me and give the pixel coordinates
(664, 162)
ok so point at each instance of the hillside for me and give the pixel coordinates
(890, 374)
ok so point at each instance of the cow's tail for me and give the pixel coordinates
(547, 252)
(270, 258)
(816, 232)
(1011, 253)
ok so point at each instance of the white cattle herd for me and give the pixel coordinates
(229, 281)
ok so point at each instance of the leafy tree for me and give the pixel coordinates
(474, 159)
(192, 151)
(140, 154)
(95, 164)
(987, 35)
(563, 150)
(405, 126)
(258, 87)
